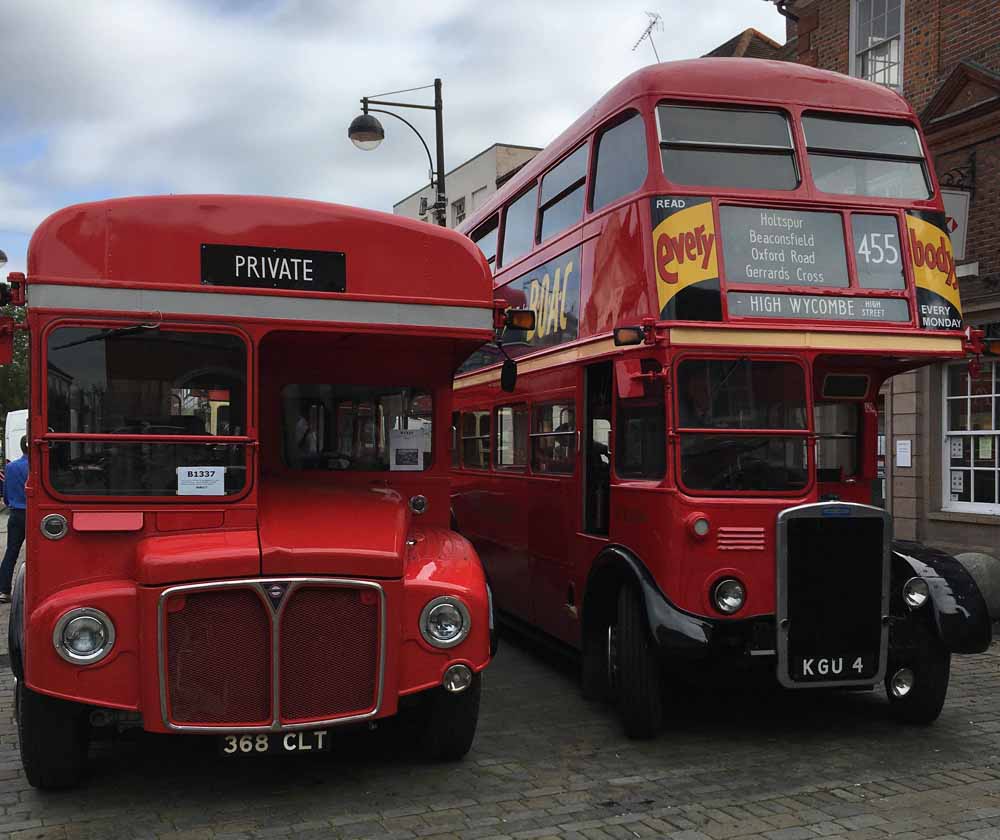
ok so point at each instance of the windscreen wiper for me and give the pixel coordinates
(113, 333)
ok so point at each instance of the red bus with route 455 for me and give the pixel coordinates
(238, 502)
(727, 259)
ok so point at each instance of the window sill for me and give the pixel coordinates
(963, 516)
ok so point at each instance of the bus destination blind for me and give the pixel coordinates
(783, 247)
(817, 307)
(273, 268)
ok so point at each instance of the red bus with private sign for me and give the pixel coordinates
(238, 498)
(727, 259)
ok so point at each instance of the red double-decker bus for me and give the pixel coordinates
(727, 259)
(238, 500)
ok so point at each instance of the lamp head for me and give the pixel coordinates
(366, 132)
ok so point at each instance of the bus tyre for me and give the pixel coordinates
(637, 675)
(448, 722)
(922, 704)
(54, 736)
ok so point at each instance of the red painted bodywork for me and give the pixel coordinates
(121, 553)
(529, 526)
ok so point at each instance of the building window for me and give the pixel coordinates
(972, 432)
(479, 198)
(458, 212)
(876, 28)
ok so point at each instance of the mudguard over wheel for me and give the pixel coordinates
(923, 703)
(637, 677)
(448, 721)
(54, 736)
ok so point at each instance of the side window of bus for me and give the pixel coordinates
(553, 438)
(620, 161)
(455, 420)
(512, 437)
(726, 147)
(562, 194)
(519, 227)
(485, 236)
(640, 430)
(854, 157)
(837, 428)
(476, 440)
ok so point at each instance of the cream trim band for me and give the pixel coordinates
(270, 307)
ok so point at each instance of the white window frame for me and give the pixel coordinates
(946, 501)
(854, 64)
(458, 211)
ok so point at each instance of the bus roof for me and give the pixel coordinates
(161, 242)
(748, 80)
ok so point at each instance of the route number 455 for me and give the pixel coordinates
(878, 248)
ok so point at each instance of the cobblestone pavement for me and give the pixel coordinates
(749, 763)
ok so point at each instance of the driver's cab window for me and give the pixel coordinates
(357, 427)
(742, 425)
(837, 428)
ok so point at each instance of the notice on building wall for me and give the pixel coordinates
(956, 448)
(957, 483)
(201, 481)
(904, 453)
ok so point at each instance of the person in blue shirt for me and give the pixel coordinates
(13, 496)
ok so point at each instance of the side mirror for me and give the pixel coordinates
(508, 375)
(6, 340)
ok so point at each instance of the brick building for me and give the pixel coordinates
(944, 57)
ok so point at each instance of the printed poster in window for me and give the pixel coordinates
(685, 258)
(406, 449)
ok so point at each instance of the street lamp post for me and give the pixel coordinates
(366, 133)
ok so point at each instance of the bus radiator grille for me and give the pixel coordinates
(329, 653)
(218, 658)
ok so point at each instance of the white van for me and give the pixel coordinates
(14, 429)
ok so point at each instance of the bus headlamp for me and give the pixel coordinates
(916, 592)
(729, 595)
(445, 622)
(84, 636)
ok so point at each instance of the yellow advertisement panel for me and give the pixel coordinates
(685, 256)
(933, 266)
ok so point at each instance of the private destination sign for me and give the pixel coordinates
(273, 268)
(783, 247)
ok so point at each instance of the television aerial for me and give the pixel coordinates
(655, 24)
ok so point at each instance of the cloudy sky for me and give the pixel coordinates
(122, 97)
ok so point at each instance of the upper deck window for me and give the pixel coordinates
(370, 428)
(485, 236)
(562, 194)
(519, 227)
(620, 167)
(857, 157)
(726, 147)
(144, 381)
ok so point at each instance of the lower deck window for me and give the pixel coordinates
(476, 440)
(364, 428)
(837, 440)
(553, 438)
(113, 468)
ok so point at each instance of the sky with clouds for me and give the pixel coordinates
(126, 97)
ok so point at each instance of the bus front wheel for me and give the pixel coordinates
(634, 668)
(448, 721)
(925, 683)
(54, 736)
